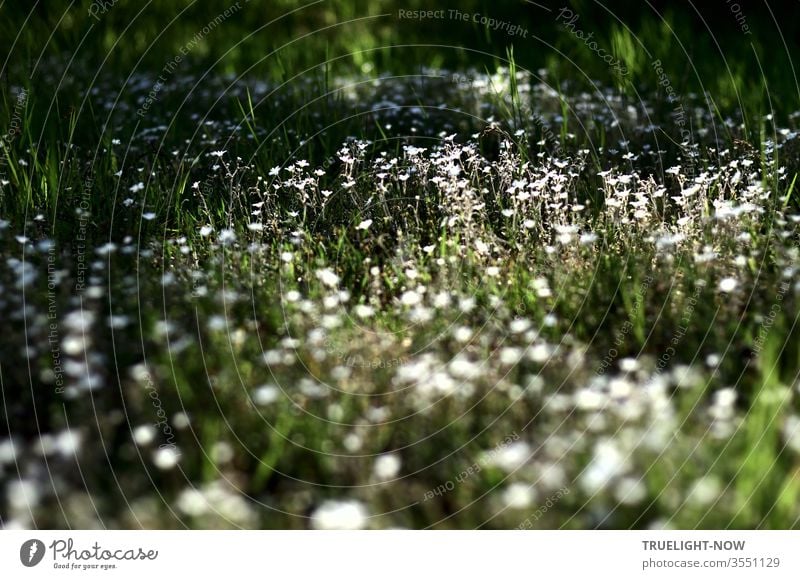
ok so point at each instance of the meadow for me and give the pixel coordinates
(345, 265)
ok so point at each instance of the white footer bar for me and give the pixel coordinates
(406, 554)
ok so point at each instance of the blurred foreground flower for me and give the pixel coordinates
(342, 515)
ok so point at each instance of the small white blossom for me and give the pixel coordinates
(387, 466)
(327, 277)
(346, 515)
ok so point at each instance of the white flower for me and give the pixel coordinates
(727, 285)
(510, 355)
(166, 458)
(462, 334)
(266, 394)
(364, 225)
(144, 434)
(629, 364)
(23, 494)
(725, 396)
(460, 367)
(442, 300)
(8, 451)
(630, 491)
(410, 298)
(227, 236)
(509, 458)
(704, 491)
(587, 399)
(364, 311)
(689, 191)
(608, 462)
(327, 277)
(221, 452)
(68, 442)
(518, 496)
(539, 353)
(481, 247)
(466, 305)
(387, 466)
(352, 442)
(192, 502)
(343, 515)
(519, 325)
(791, 433)
(74, 345)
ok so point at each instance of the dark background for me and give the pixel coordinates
(700, 43)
